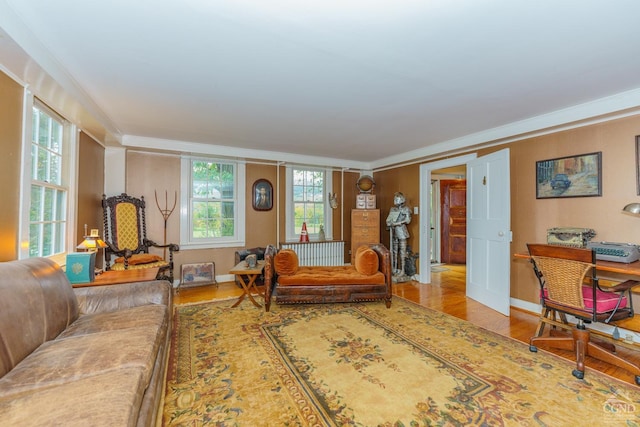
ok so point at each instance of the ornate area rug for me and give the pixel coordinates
(366, 365)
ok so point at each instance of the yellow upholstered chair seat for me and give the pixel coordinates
(119, 266)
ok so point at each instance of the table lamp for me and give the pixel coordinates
(91, 242)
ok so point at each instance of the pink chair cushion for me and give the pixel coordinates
(605, 301)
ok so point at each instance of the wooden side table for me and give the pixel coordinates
(113, 277)
(248, 278)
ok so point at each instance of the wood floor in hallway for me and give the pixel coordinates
(446, 293)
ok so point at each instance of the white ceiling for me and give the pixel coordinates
(362, 82)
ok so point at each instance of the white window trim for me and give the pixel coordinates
(291, 234)
(185, 212)
(69, 170)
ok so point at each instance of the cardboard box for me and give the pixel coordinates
(81, 267)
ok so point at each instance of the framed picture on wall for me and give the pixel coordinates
(571, 176)
(262, 195)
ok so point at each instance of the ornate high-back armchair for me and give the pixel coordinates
(125, 233)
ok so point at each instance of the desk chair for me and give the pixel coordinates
(569, 286)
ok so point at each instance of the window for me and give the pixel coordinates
(48, 181)
(213, 201)
(307, 190)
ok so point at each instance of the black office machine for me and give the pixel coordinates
(616, 252)
(574, 237)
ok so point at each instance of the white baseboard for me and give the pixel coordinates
(220, 279)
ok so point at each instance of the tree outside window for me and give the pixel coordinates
(308, 199)
(212, 203)
(48, 197)
(213, 200)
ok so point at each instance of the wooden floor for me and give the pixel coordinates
(446, 293)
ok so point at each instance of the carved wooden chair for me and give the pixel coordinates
(569, 286)
(125, 234)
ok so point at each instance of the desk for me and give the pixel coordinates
(631, 269)
(248, 278)
(113, 277)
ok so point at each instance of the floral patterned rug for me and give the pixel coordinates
(366, 365)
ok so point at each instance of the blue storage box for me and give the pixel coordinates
(81, 267)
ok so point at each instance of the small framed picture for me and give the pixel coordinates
(262, 195)
(198, 274)
(571, 176)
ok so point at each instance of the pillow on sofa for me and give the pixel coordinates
(137, 259)
(366, 260)
(286, 262)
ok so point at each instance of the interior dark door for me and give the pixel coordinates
(453, 200)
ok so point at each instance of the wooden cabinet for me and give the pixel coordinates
(365, 228)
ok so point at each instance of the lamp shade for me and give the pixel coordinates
(91, 243)
(632, 208)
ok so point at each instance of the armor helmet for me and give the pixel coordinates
(398, 199)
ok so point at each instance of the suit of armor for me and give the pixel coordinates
(397, 220)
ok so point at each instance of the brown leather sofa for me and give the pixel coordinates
(93, 356)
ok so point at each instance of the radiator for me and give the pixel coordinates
(318, 253)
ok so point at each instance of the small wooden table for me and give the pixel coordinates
(248, 278)
(113, 277)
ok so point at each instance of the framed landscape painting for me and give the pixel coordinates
(571, 176)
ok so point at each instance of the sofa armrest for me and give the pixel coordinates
(270, 276)
(102, 299)
(384, 263)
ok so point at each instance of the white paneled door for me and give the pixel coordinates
(489, 230)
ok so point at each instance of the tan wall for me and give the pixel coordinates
(90, 187)
(407, 181)
(10, 165)
(147, 172)
(91, 173)
(531, 217)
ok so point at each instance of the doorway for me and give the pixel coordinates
(449, 195)
(453, 204)
(488, 226)
(430, 233)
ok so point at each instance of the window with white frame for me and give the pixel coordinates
(213, 203)
(307, 191)
(47, 198)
